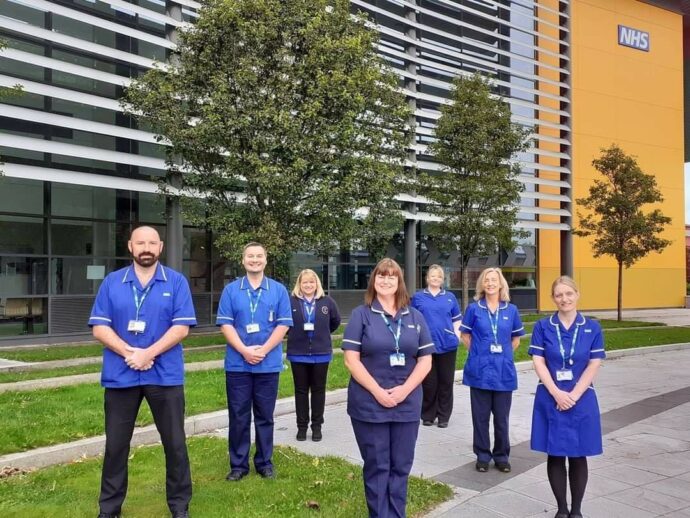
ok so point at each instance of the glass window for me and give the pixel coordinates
(151, 208)
(22, 235)
(23, 316)
(78, 276)
(20, 11)
(21, 196)
(195, 245)
(82, 201)
(198, 273)
(91, 238)
(23, 276)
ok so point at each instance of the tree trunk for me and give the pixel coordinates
(465, 288)
(620, 291)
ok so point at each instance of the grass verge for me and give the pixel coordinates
(330, 483)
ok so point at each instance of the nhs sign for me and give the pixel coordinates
(634, 38)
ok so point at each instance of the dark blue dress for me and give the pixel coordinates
(575, 432)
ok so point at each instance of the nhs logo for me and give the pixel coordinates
(634, 38)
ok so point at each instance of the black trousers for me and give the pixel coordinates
(309, 377)
(121, 409)
(438, 388)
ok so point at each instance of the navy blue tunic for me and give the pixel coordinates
(575, 432)
(367, 333)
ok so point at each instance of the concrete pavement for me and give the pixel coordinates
(644, 472)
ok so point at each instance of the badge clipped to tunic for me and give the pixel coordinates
(564, 375)
(252, 328)
(397, 359)
(270, 316)
(136, 326)
(309, 326)
(496, 348)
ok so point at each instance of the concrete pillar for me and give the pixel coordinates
(411, 224)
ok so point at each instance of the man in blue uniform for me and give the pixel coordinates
(254, 314)
(141, 314)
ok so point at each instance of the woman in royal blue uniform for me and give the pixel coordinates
(442, 313)
(567, 350)
(387, 350)
(491, 331)
(310, 350)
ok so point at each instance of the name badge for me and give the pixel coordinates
(564, 375)
(309, 326)
(136, 326)
(397, 359)
(252, 328)
(496, 348)
(270, 316)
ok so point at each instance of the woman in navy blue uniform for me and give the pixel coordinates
(387, 350)
(442, 314)
(567, 350)
(491, 330)
(310, 350)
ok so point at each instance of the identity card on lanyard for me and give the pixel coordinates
(495, 347)
(566, 373)
(136, 325)
(397, 359)
(253, 305)
(308, 317)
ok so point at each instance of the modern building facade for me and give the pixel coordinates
(79, 173)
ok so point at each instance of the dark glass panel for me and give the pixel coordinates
(23, 316)
(22, 235)
(23, 276)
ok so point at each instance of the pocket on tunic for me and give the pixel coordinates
(564, 430)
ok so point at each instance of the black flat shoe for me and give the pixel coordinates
(482, 467)
(235, 475)
(443, 424)
(267, 473)
(503, 467)
(427, 423)
(301, 434)
(316, 435)
(575, 515)
(561, 515)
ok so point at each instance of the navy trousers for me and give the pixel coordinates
(121, 409)
(484, 403)
(387, 450)
(247, 393)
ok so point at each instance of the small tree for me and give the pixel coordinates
(7, 92)
(616, 219)
(476, 194)
(285, 119)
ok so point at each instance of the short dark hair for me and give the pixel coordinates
(251, 244)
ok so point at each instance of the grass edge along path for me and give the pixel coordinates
(305, 486)
(46, 417)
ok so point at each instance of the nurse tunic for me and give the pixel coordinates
(575, 432)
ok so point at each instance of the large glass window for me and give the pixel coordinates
(21, 196)
(23, 276)
(82, 201)
(83, 238)
(20, 235)
(78, 276)
(23, 316)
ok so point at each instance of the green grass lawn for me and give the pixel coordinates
(71, 491)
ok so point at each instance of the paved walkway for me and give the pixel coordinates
(669, 316)
(644, 472)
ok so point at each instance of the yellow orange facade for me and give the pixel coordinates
(633, 98)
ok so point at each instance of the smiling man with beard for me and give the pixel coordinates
(140, 315)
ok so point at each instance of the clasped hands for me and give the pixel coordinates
(138, 359)
(565, 400)
(253, 354)
(391, 397)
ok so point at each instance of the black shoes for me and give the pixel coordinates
(108, 515)
(561, 515)
(503, 467)
(316, 435)
(301, 434)
(443, 424)
(427, 423)
(267, 472)
(181, 514)
(482, 467)
(235, 475)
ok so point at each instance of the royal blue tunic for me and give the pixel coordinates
(440, 311)
(575, 432)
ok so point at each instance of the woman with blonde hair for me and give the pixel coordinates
(567, 350)
(387, 350)
(442, 313)
(491, 330)
(310, 350)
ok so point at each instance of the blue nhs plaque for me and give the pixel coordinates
(633, 38)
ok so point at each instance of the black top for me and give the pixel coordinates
(326, 320)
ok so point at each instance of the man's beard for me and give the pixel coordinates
(146, 259)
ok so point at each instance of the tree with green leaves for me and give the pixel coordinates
(476, 193)
(615, 216)
(284, 119)
(7, 92)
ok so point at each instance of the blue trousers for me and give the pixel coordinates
(387, 450)
(249, 392)
(484, 403)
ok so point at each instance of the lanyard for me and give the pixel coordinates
(253, 304)
(494, 325)
(137, 301)
(572, 345)
(396, 335)
(309, 309)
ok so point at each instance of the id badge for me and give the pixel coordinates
(496, 348)
(309, 326)
(270, 316)
(136, 326)
(564, 375)
(252, 328)
(397, 359)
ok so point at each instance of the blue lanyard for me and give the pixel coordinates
(137, 301)
(572, 345)
(396, 335)
(309, 309)
(494, 325)
(253, 304)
